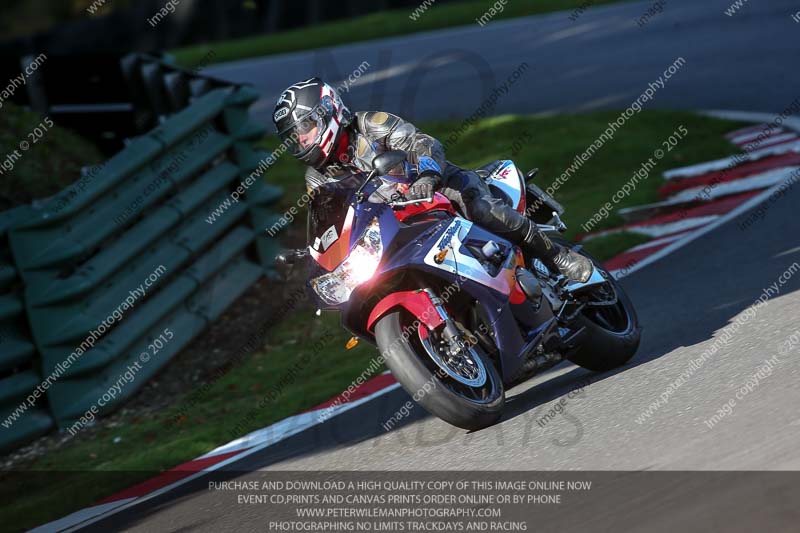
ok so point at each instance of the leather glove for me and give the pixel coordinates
(424, 187)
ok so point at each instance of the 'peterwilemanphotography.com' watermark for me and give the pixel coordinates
(401, 501)
(749, 386)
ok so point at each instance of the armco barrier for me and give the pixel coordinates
(143, 217)
(108, 98)
(19, 364)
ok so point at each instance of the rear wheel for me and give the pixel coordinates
(613, 332)
(464, 390)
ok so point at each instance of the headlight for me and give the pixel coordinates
(335, 287)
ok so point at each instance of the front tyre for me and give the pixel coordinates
(440, 394)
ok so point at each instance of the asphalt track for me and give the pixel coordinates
(601, 60)
(686, 303)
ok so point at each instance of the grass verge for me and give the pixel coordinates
(303, 358)
(47, 166)
(366, 27)
(552, 145)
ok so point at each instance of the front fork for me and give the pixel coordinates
(457, 339)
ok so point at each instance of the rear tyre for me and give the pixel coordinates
(613, 333)
(470, 408)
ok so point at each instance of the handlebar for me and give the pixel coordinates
(407, 202)
(291, 256)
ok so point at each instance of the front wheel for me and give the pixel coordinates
(465, 391)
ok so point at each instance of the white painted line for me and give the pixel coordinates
(776, 141)
(80, 516)
(765, 119)
(277, 431)
(86, 521)
(762, 121)
(788, 252)
(655, 207)
(776, 135)
(747, 137)
(624, 271)
(657, 242)
(742, 208)
(744, 131)
(272, 433)
(731, 162)
(750, 183)
(658, 230)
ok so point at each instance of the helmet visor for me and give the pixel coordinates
(304, 133)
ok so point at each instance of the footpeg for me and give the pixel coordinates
(594, 280)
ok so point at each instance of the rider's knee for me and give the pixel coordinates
(479, 209)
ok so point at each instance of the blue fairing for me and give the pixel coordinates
(412, 256)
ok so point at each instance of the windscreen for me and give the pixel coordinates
(328, 210)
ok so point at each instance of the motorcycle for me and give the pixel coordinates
(458, 313)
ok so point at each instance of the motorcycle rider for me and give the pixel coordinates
(319, 130)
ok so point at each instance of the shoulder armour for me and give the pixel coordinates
(378, 124)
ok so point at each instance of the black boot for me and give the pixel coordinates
(571, 265)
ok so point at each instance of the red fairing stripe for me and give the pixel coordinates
(523, 201)
(418, 303)
(517, 295)
(440, 202)
(523, 195)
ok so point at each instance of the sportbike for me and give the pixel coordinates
(458, 313)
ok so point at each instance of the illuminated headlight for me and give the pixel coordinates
(335, 287)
